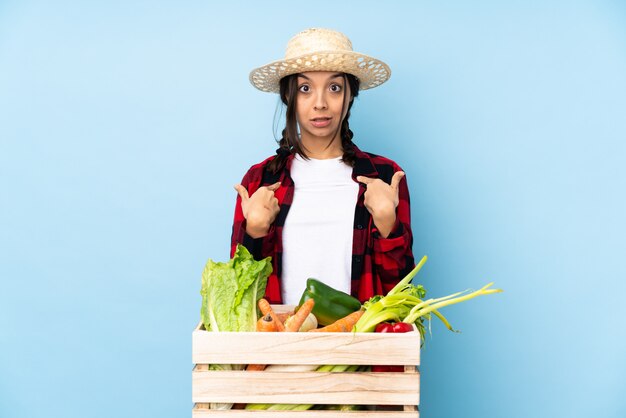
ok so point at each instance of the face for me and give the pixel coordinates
(320, 98)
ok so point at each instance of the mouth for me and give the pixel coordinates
(321, 122)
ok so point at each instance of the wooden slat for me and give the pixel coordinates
(410, 369)
(305, 348)
(201, 413)
(358, 388)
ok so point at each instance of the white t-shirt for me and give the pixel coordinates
(318, 230)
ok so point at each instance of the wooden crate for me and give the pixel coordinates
(395, 392)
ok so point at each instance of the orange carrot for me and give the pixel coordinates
(344, 324)
(266, 324)
(296, 321)
(255, 367)
(282, 316)
(266, 309)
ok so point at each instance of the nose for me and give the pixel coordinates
(320, 101)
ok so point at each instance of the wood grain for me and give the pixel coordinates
(207, 413)
(397, 393)
(305, 348)
(351, 388)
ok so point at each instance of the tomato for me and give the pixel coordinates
(384, 327)
(402, 327)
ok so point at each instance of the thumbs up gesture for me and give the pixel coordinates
(260, 209)
(381, 201)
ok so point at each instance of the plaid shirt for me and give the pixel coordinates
(377, 263)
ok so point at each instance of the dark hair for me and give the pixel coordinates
(290, 142)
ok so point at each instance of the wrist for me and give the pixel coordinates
(257, 231)
(385, 225)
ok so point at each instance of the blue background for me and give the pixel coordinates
(124, 125)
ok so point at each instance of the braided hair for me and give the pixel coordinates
(290, 143)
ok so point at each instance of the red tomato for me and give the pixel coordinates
(384, 327)
(402, 327)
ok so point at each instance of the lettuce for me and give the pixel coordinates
(230, 291)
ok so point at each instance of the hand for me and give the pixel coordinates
(381, 200)
(260, 209)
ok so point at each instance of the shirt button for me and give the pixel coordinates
(357, 259)
(359, 226)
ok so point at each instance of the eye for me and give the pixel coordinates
(335, 88)
(304, 88)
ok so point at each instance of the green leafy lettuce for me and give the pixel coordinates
(230, 291)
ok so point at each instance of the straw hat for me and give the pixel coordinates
(319, 49)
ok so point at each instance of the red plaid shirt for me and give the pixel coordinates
(377, 263)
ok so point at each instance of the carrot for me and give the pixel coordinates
(266, 309)
(295, 322)
(255, 367)
(266, 324)
(344, 324)
(282, 316)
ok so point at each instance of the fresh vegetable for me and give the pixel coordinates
(294, 322)
(340, 407)
(230, 292)
(266, 324)
(271, 323)
(256, 367)
(404, 303)
(330, 304)
(382, 327)
(345, 324)
(397, 327)
(309, 323)
(266, 309)
(283, 316)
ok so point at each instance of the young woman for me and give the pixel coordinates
(321, 207)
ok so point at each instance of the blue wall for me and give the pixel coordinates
(124, 125)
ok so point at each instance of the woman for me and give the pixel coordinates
(321, 207)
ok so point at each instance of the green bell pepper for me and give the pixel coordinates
(330, 304)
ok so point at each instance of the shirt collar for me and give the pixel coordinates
(363, 166)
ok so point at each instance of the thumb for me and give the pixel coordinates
(395, 180)
(243, 193)
(274, 187)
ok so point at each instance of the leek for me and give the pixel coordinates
(405, 303)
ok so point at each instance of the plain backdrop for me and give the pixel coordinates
(125, 124)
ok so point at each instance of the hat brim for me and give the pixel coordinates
(370, 71)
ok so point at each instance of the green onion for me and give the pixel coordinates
(404, 303)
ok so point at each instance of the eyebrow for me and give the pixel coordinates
(330, 78)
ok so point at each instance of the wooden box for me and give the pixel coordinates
(383, 394)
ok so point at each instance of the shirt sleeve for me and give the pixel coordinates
(393, 256)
